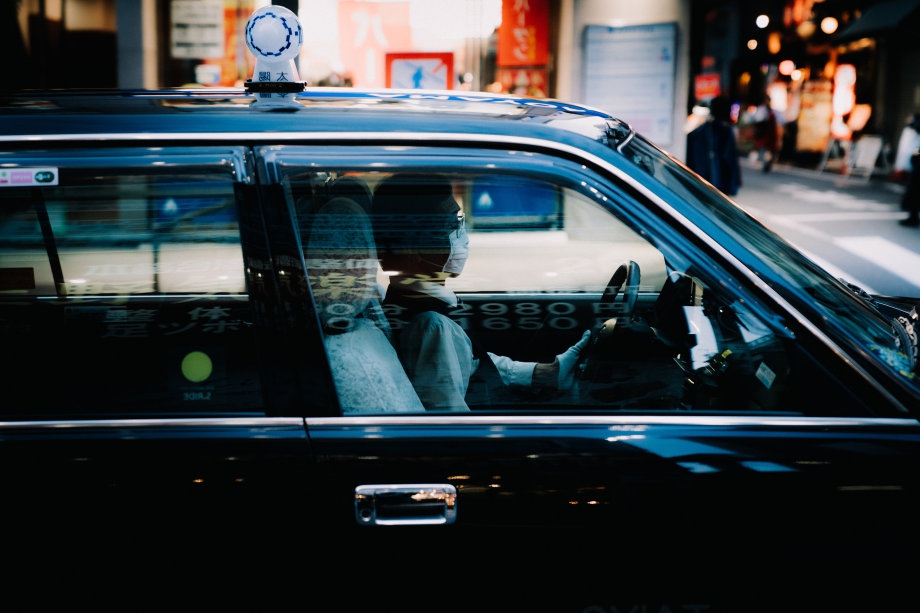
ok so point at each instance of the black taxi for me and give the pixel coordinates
(210, 392)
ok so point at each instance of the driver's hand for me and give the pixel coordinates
(561, 373)
(568, 359)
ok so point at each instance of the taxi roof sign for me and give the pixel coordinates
(274, 36)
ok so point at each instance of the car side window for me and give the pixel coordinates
(509, 291)
(510, 281)
(122, 288)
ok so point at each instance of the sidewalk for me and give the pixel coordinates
(877, 187)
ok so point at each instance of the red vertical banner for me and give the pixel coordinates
(367, 31)
(523, 38)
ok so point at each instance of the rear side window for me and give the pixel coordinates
(122, 287)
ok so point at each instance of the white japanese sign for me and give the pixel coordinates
(629, 72)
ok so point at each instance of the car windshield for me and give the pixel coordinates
(880, 327)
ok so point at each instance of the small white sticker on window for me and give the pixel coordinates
(25, 177)
(765, 375)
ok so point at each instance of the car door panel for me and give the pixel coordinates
(632, 510)
(116, 487)
(143, 412)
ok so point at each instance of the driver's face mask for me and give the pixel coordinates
(459, 247)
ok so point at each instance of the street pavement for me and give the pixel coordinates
(846, 224)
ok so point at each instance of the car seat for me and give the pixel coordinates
(341, 262)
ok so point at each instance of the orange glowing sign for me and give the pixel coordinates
(707, 86)
(843, 101)
(523, 37)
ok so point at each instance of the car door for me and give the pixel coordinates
(649, 485)
(147, 405)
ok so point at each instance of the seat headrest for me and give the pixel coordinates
(341, 262)
(352, 187)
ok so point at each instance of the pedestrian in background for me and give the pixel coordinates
(712, 148)
(908, 144)
(767, 135)
(911, 200)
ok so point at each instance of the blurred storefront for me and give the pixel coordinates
(78, 43)
(568, 49)
(834, 70)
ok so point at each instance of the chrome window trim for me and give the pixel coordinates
(184, 422)
(585, 418)
(139, 157)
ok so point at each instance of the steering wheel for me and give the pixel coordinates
(625, 279)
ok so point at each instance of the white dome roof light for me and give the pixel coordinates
(274, 37)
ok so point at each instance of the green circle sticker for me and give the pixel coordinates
(197, 366)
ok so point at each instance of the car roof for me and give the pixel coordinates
(110, 113)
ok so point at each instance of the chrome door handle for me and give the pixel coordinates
(409, 504)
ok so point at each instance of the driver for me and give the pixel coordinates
(422, 242)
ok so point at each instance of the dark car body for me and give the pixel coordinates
(172, 422)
